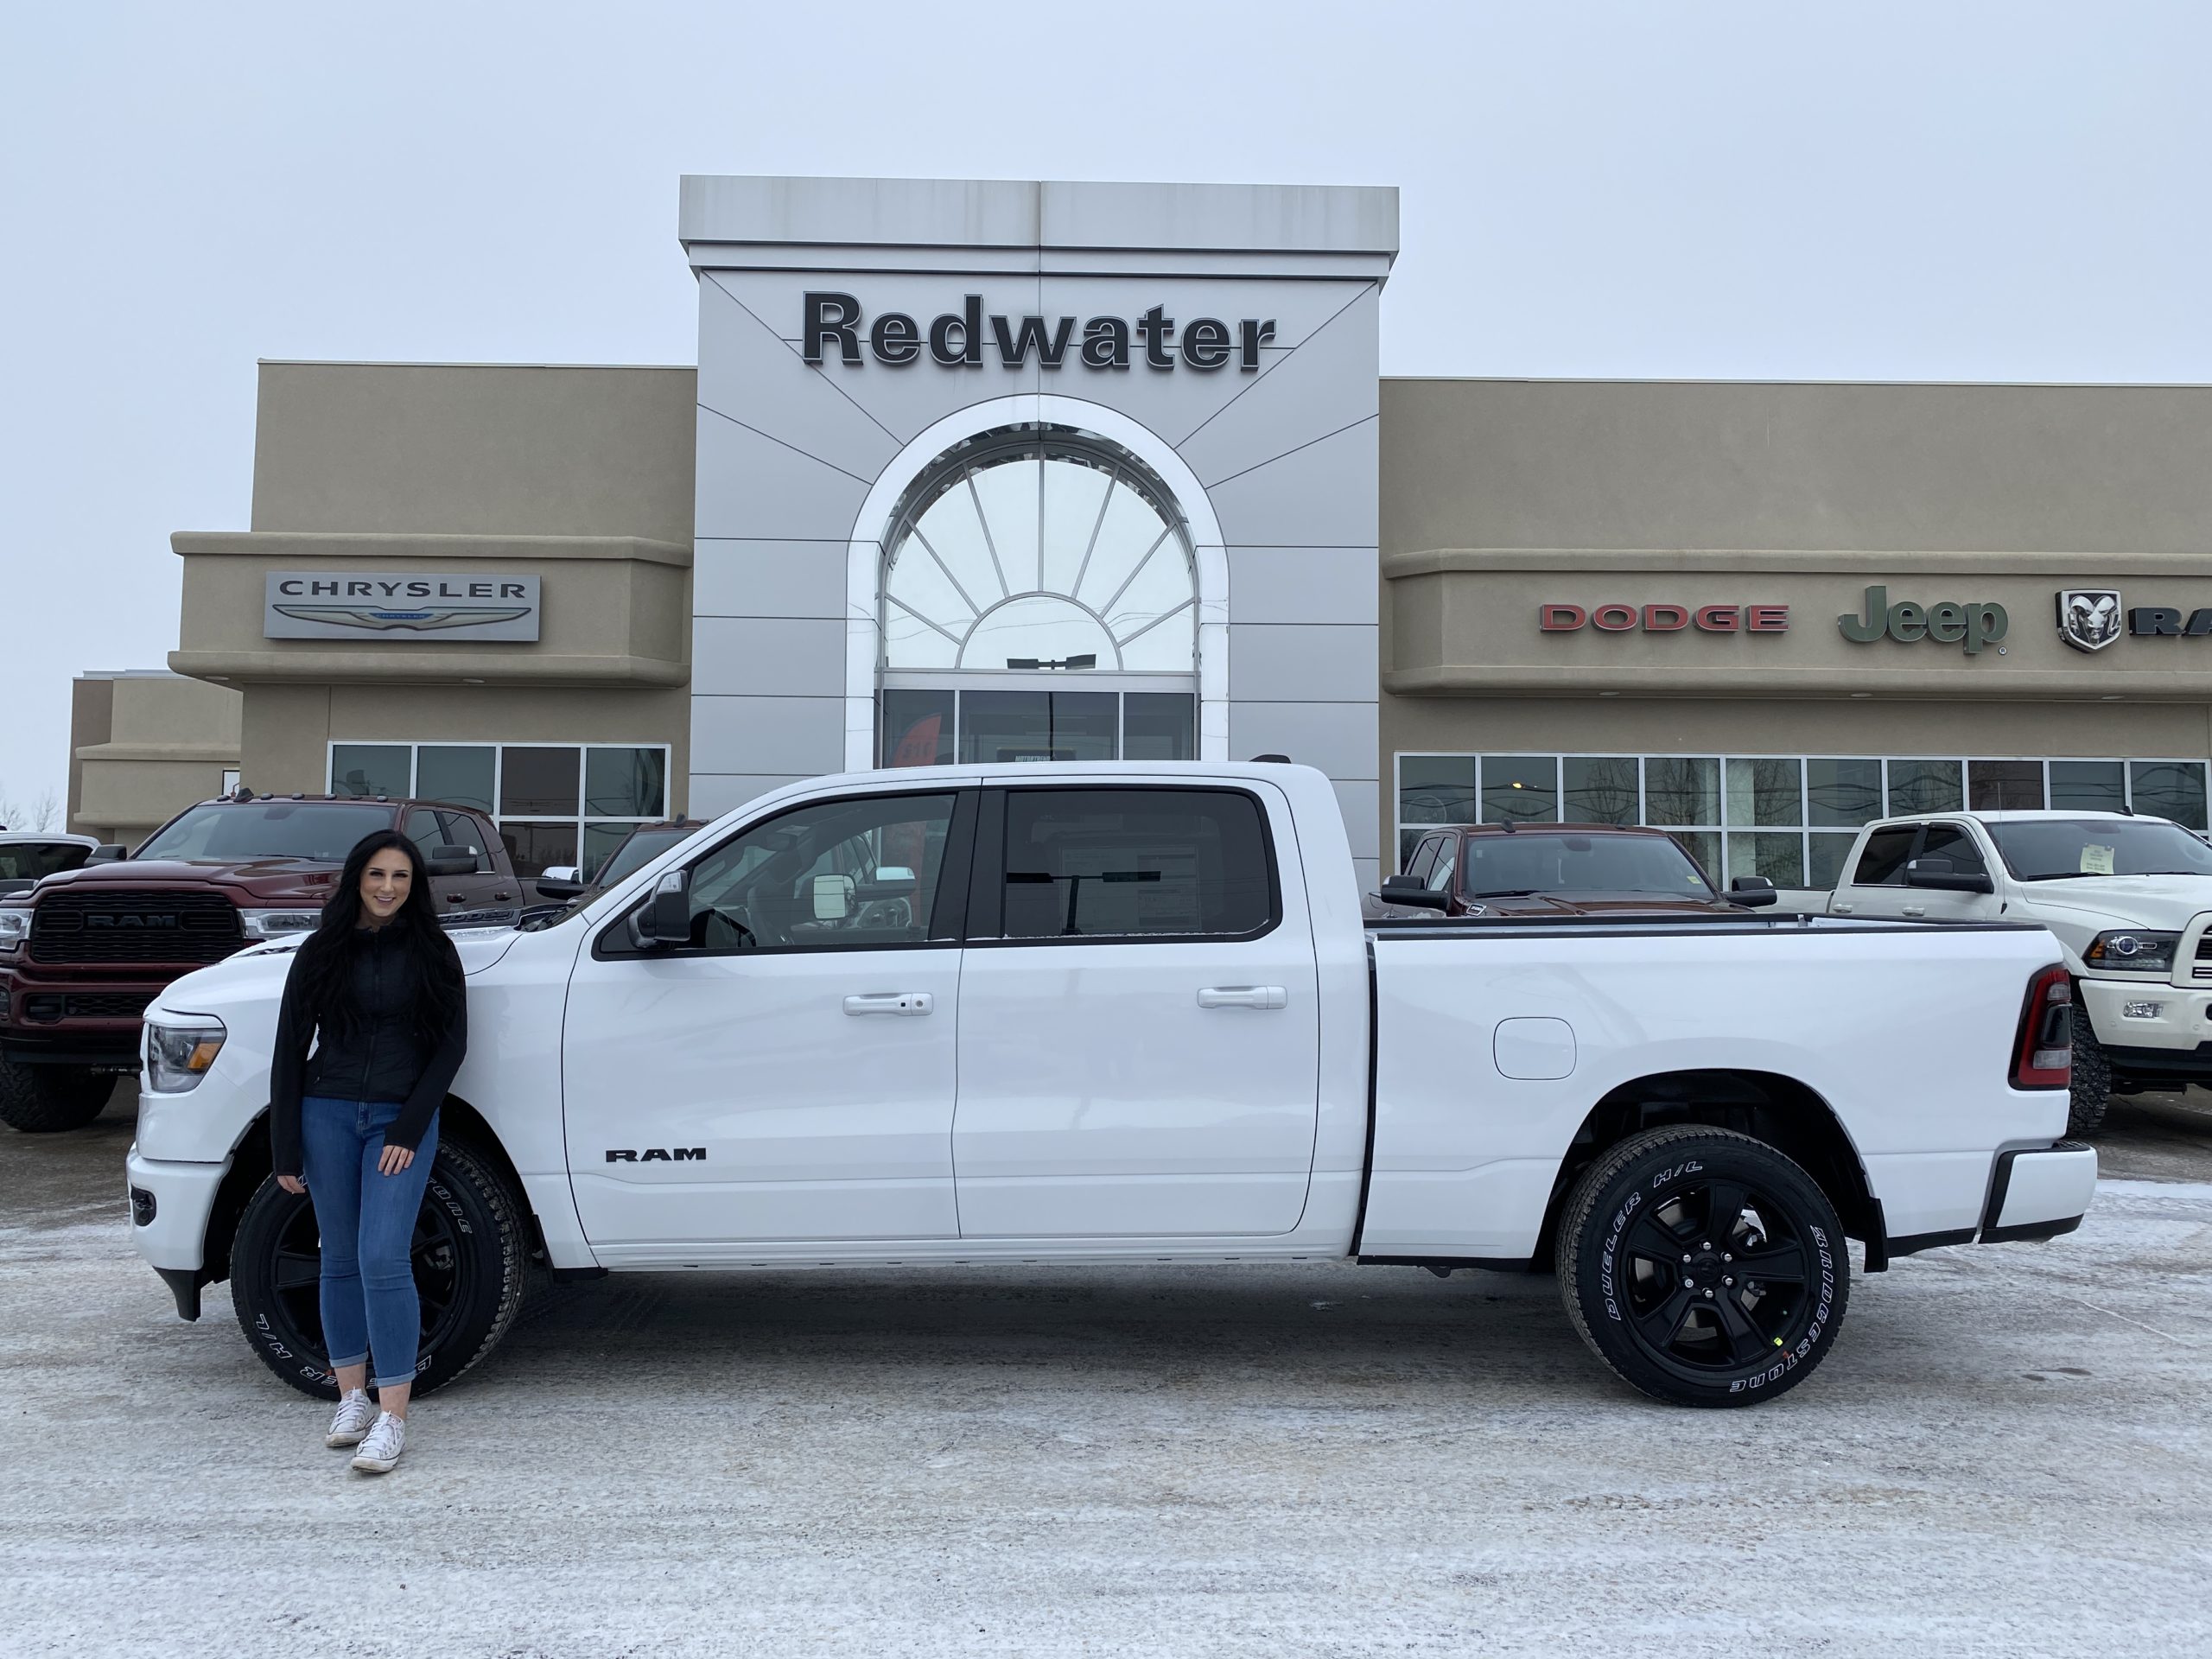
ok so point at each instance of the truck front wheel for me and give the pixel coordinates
(2092, 1087)
(45, 1099)
(468, 1255)
(1703, 1266)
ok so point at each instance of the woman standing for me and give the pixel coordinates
(378, 989)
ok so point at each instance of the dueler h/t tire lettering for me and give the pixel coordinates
(1703, 1266)
(469, 1258)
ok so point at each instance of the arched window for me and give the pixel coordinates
(1039, 602)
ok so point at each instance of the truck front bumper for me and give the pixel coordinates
(2040, 1192)
(169, 1206)
(2155, 1027)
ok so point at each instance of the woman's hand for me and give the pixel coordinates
(292, 1184)
(394, 1159)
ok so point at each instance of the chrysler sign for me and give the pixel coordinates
(385, 604)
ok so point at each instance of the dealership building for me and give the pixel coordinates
(985, 471)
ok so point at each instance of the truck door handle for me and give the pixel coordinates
(1841, 910)
(1243, 997)
(1915, 910)
(905, 1002)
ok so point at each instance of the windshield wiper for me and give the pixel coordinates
(1508, 892)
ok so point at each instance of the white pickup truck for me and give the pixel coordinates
(1129, 1013)
(2129, 898)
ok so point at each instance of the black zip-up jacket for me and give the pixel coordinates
(387, 1060)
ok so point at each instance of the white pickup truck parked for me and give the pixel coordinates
(1129, 1013)
(2129, 897)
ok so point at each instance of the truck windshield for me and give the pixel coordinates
(322, 830)
(2055, 849)
(1531, 861)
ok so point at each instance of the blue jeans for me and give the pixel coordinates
(367, 1222)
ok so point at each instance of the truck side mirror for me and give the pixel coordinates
(1941, 874)
(1753, 891)
(664, 919)
(833, 897)
(107, 852)
(1412, 890)
(450, 861)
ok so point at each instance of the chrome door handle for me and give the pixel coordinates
(1915, 910)
(906, 1003)
(1243, 997)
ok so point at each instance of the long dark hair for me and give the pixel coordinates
(325, 963)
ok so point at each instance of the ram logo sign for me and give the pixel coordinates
(2089, 618)
(656, 1155)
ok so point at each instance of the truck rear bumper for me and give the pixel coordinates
(2040, 1192)
(169, 1206)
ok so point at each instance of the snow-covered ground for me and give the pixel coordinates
(2007, 1453)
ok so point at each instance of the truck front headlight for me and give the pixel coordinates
(15, 928)
(180, 1050)
(2131, 950)
(276, 924)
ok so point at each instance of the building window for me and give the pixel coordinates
(1040, 602)
(554, 804)
(1790, 818)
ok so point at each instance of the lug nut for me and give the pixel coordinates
(1691, 1284)
(1725, 1256)
(1709, 1295)
(1726, 1280)
(1707, 1245)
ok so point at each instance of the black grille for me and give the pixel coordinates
(48, 1006)
(127, 926)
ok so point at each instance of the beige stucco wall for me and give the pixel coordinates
(1500, 496)
(144, 745)
(494, 450)
(582, 477)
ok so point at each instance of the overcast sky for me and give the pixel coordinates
(2002, 191)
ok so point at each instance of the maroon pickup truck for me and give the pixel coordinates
(84, 952)
(1544, 872)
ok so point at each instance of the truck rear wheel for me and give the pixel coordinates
(2091, 1091)
(1703, 1266)
(468, 1252)
(46, 1099)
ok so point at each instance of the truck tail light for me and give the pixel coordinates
(2043, 1055)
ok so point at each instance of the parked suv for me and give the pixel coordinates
(84, 952)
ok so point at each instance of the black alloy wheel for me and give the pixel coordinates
(1703, 1266)
(468, 1255)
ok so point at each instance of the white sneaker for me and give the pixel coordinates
(355, 1413)
(381, 1448)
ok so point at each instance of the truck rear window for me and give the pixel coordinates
(324, 831)
(1121, 863)
(1495, 866)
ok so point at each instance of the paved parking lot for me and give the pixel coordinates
(2006, 1455)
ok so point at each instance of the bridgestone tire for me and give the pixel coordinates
(48, 1099)
(469, 1259)
(1643, 1242)
(2092, 1087)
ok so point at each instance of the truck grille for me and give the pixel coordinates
(135, 927)
(45, 1007)
(2202, 967)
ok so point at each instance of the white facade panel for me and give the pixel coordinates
(766, 656)
(767, 579)
(1303, 584)
(753, 488)
(802, 737)
(1325, 494)
(1305, 662)
(1338, 738)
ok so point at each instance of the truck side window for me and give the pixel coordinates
(1440, 875)
(1137, 863)
(461, 830)
(423, 828)
(1882, 865)
(1424, 858)
(1954, 843)
(854, 875)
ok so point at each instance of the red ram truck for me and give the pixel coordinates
(84, 952)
